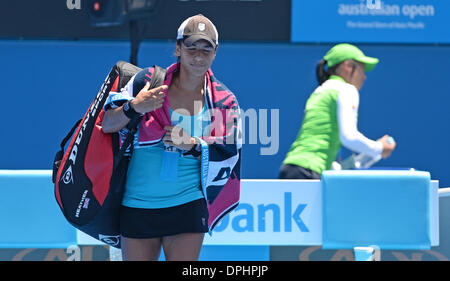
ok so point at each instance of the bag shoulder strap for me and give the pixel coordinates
(159, 75)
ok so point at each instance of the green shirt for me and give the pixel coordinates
(317, 143)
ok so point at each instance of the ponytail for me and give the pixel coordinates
(321, 74)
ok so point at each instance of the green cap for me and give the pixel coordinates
(344, 51)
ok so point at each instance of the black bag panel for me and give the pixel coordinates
(126, 71)
(105, 226)
(147, 75)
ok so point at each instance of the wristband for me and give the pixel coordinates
(130, 112)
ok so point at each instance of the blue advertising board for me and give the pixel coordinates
(370, 21)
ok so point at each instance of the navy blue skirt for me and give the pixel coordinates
(191, 217)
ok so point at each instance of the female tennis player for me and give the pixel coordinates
(331, 115)
(184, 141)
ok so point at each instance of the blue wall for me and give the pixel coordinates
(47, 86)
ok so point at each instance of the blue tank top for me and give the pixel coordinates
(146, 188)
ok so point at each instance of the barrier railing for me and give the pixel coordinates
(366, 211)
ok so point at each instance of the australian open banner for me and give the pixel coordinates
(371, 21)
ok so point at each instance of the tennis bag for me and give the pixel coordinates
(90, 175)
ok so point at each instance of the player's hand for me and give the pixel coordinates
(176, 136)
(149, 99)
(388, 146)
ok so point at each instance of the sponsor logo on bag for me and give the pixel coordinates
(68, 175)
(112, 240)
(81, 204)
(92, 111)
(86, 203)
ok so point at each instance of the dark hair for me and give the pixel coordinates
(179, 41)
(322, 74)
